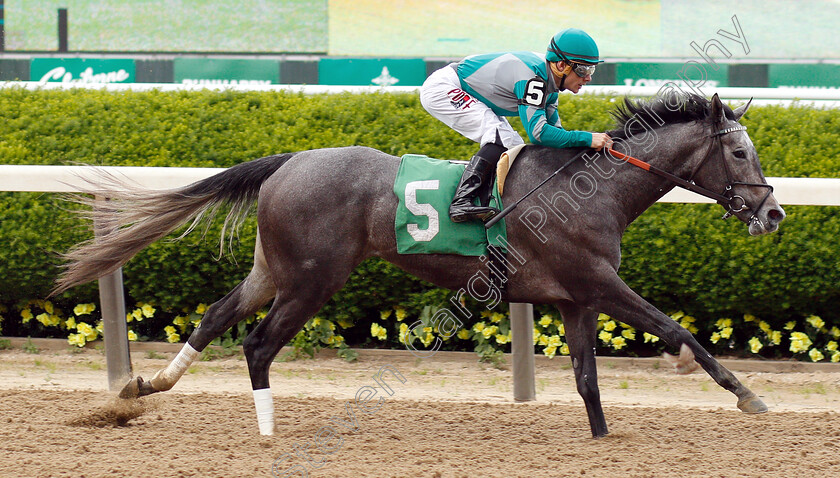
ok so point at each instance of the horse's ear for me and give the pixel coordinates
(739, 111)
(717, 110)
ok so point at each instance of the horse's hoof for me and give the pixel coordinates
(131, 389)
(752, 404)
(137, 388)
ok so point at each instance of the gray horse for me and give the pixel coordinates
(316, 226)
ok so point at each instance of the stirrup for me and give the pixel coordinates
(474, 213)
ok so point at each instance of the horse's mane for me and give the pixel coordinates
(672, 107)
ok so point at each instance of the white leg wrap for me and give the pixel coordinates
(264, 404)
(166, 378)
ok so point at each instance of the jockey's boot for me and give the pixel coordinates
(476, 174)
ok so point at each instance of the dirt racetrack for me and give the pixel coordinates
(453, 417)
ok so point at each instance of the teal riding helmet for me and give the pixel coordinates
(573, 44)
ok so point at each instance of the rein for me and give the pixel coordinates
(734, 203)
(727, 199)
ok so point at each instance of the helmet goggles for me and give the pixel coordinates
(581, 69)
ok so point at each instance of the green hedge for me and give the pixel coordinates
(680, 257)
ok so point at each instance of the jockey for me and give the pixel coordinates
(474, 96)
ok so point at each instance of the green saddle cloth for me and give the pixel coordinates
(425, 188)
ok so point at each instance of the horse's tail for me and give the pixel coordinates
(137, 217)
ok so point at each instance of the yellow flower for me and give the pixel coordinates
(605, 336)
(463, 334)
(550, 351)
(488, 332)
(835, 332)
(385, 314)
(629, 334)
(100, 327)
(338, 339)
(603, 317)
(557, 323)
(545, 320)
(618, 343)
(43, 318)
(564, 349)
(131, 335)
(345, 324)
(427, 339)
(835, 357)
(479, 327)
(70, 323)
(543, 340)
(726, 332)
(171, 335)
(84, 309)
(790, 325)
(715, 338)
(677, 315)
(749, 318)
(776, 337)
(799, 342)
(561, 329)
(650, 338)
(554, 340)
(399, 313)
(609, 326)
(86, 330)
(76, 339)
(26, 315)
(755, 345)
(138, 315)
(378, 331)
(181, 322)
(723, 323)
(831, 346)
(815, 322)
(765, 327)
(496, 317)
(201, 308)
(48, 306)
(403, 332)
(502, 339)
(148, 311)
(815, 355)
(537, 335)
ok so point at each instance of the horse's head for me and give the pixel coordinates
(731, 165)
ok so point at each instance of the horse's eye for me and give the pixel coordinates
(740, 154)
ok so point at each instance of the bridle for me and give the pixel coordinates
(728, 199)
(733, 203)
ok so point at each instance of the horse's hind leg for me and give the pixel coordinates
(243, 301)
(581, 326)
(301, 293)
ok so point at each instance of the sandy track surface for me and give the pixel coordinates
(453, 417)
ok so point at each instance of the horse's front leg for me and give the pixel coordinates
(581, 326)
(617, 300)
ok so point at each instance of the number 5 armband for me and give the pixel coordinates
(535, 93)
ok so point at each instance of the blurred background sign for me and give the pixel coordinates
(78, 70)
(212, 71)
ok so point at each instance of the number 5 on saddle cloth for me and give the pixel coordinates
(425, 187)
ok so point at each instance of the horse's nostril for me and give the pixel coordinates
(776, 215)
